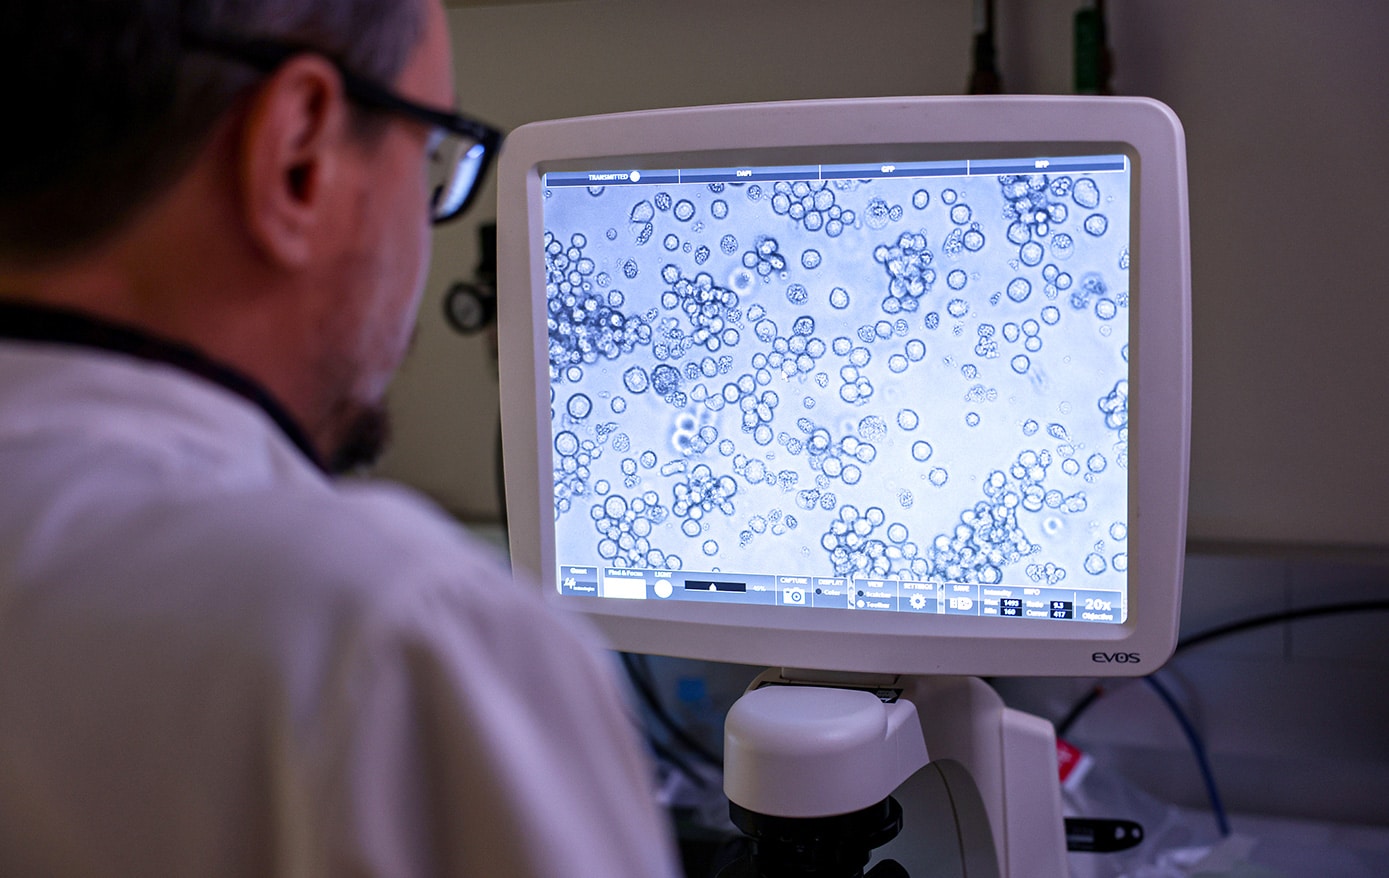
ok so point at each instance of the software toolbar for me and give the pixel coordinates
(854, 593)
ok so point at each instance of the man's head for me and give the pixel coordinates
(250, 178)
(111, 104)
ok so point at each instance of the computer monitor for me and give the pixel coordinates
(894, 385)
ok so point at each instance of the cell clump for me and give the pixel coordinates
(910, 274)
(583, 324)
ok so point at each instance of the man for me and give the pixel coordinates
(215, 660)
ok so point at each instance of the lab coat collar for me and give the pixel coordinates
(44, 324)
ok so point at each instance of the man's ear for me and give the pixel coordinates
(292, 147)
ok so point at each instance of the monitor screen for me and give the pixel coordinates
(841, 381)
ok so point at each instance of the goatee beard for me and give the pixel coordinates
(367, 434)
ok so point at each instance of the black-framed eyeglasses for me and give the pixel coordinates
(460, 149)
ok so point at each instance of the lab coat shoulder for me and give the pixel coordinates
(468, 728)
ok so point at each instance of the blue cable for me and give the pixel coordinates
(1199, 750)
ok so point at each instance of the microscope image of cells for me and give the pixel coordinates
(584, 325)
(708, 307)
(702, 356)
(765, 258)
(908, 266)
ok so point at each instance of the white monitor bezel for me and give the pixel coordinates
(870, 130)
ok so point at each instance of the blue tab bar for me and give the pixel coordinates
(750, 175)
(610, 178)
(1064, 165)
(889, 170)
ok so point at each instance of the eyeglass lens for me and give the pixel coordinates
(455, 169)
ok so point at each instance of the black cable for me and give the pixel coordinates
(642, 683)
(1076, 710)
(1226, 630)
(1284, 616)
(1197, 746)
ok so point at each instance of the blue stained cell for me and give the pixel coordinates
(636, 380)
(1096, 224)
(797, 294)
(719, 208)
(1030, 427)
(629, 269)
(579, 406)
(932, 320)
(1062, 246)
(1086, 193)
(566, 443)
(955, 307)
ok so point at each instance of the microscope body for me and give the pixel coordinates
(977, 780)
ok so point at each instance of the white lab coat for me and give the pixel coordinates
(214, 661)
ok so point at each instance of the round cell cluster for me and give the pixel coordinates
(841, 459)
(986, 345)
(765, 258)
(572, 462)
(811, 204)
(1115, 406)
(879, 213)
(709, 308)
(989, 535)
(758, 411)
(584, 323)
(1029, 207)
(908, 266)
(793, 356)
(702, 494)
(854, 546)
(624, 529)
